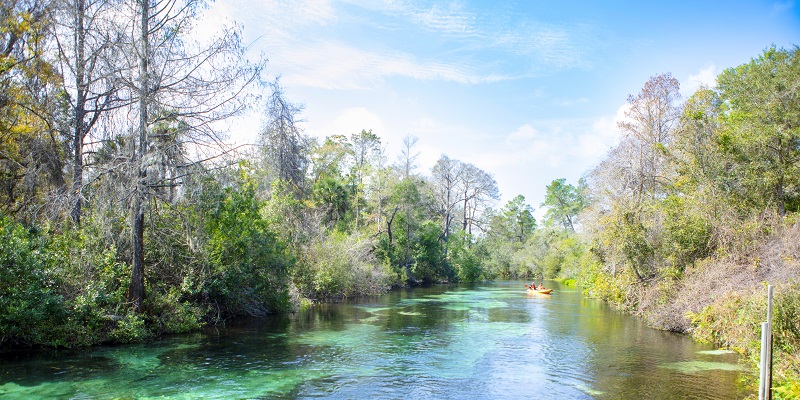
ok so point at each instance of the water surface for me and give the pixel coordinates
(446, 342)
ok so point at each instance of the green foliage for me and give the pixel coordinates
(517, 222)
(93, 284)
(248, 264)
(563, 202)
(283, 212)
(467, 258)
(735, 321)
(130, 329)
(599, 283)
(29, 303)
(686, 237)
(339, 266)
(429, 261)
(762, 128)
(786, 314)
(333, 197)
(564, 256)
(500, 260)
(788, 389)
(170, 313)
(786, 333)
(62, 290)
(628, 236)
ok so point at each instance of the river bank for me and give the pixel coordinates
(722, 300)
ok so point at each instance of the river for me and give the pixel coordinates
(490, 341)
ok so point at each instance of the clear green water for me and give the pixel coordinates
(490, 341)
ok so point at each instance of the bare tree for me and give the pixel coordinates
(478, 188)
(282, 139)
(651, 119)
(177, 79)
(87, 38)
(407, 160)
(446, 175)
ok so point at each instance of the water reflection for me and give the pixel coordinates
(485, 342)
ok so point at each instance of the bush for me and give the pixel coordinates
(170, 314)
(429, 261)
(339, 266)
(129, 329)
(248, 264)
(30, 307)
(467, 258)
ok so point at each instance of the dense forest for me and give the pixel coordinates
(125, 213)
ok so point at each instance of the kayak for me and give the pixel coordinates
(540, 291)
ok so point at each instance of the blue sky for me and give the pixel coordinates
(527, 90)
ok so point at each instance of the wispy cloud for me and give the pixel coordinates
(305, 43)
(331, 64)
(555, 45)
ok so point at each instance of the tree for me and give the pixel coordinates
(87, 63)
(477, 188)
(366, 148)
(445, 176)
(518, 219)
(563, 202)
(177, 79)
(406, 161)
(330, 191)
(637, 174)
(30, 151)
(282, 139)
(648, 130)
(762, 126)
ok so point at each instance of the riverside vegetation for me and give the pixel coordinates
(124, 215)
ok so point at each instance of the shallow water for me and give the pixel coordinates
(447, 342)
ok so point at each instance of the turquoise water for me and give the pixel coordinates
(489, 341)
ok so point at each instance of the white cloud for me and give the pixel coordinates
(353, 120)
(451, 18)
(603, 134)
(705, 77)
(334, 65)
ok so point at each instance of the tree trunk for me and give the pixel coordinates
(80, 112)
(136, 290)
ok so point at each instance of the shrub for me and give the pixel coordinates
(467, 259)
(429, 261)
(170, 314)
(129, 329)
(30, 307)
(339, 266)
(248, 263)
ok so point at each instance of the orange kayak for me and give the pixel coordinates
(540, 291)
